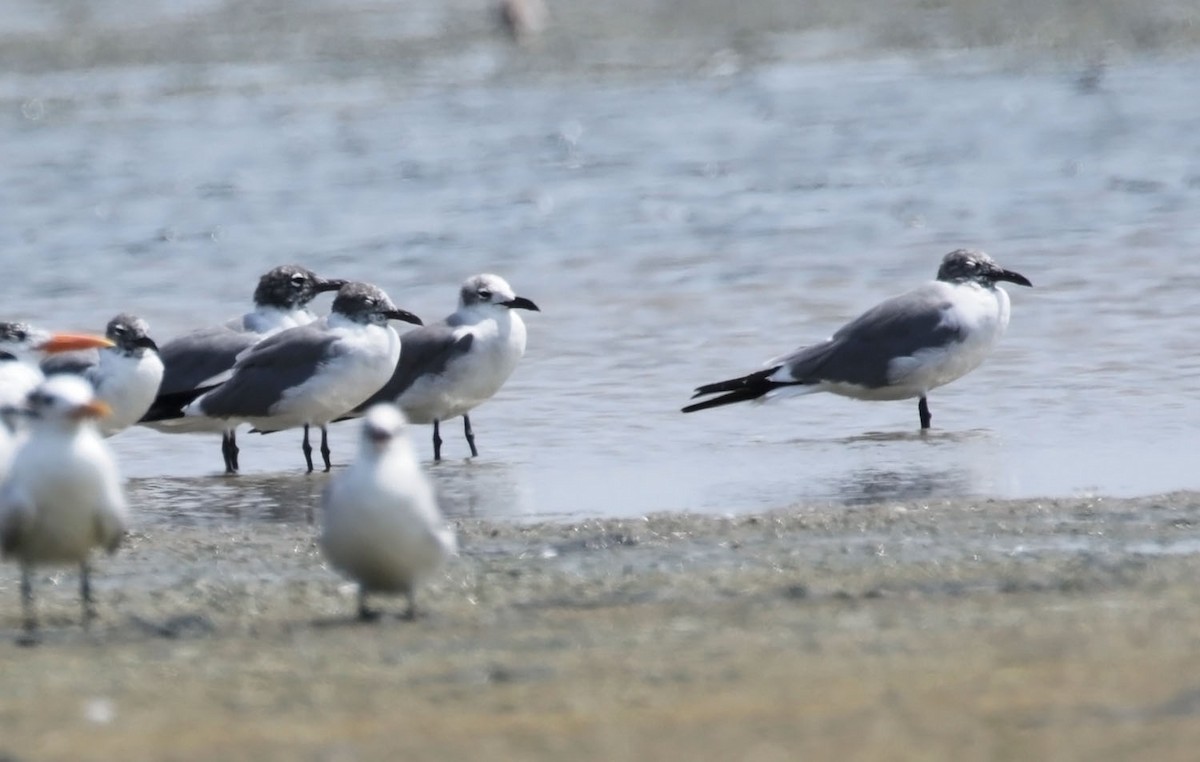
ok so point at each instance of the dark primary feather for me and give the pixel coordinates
(194, 358)
(424, 351)
(276, 364)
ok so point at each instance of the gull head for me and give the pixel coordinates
(969, 266)
(291, 287)
(369, 305)
(131, 334)
(19, 340)
(382, 425)
(488, 289)
(65, 398)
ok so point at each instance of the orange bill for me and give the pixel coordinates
(68, 342)
(93, 409)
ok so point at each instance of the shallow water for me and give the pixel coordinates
(676, 228)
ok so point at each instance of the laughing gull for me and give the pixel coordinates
(204, 358)
(901, 348)
(449, 367)
(380, 524)
(63, 496)
(126, 376)
(310, 375)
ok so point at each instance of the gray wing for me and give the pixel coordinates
(75, 363)
(863, 349)
(262, 375)
(425, 351)
(196, 358)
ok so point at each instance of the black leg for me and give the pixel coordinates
(85, 593)
(923, 410)
(470, 435)
(437, 441)
(365, 613)
(229, 451)
(325, 448)
(411, 612)
(307, 449)
(31, 624)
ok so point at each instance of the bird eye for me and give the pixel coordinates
(484, 293)
(298, 279)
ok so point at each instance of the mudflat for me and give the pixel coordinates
(1064, 629)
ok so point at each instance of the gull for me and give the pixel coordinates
(449, 367)
(126, 376)
(380, 523)
(63, 496)
(311, 374)
(902, 348)
(19, 373)
(205, 357)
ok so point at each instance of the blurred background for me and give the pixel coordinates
(686, 188)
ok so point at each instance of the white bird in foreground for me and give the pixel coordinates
(901, 348)
(448, 368)
(126, 376)
(381, 525)
(63, 496)
(19, 374)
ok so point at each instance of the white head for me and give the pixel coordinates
(65, 400)
(488, 290)
(384, 428)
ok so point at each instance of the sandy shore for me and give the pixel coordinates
(966, 630)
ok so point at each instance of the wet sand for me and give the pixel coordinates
(960, 630)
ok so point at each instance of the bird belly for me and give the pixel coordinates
(129, 387)
(466, 383)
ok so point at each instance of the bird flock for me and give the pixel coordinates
(281, 367)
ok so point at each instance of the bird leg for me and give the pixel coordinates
(365, 613)
(437, 441)
(31, 624)
(325, 448)
(307, 448)
(85, 593)
(923, 410)
(410, 613)
(470, 435)
(229, 451)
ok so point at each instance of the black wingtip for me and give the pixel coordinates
(742, 389)
(168, 407)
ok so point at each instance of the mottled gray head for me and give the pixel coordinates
(14, 338)
(364, 303)
(131, 334)
(491, 289)
(966, 265)
(291, 287)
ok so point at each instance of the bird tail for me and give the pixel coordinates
(741, 389)
(170, 406)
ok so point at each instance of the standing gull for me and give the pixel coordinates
(19, 373)
(449, 367)
(204, 358)
(902, 348)
(63, 496)
(380, 524)
(310, 375)
(126, 376)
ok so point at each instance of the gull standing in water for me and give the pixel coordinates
(448, 368)
(205, 357)
(63, 496)
(380, 524)
(310, 375)
(904, 347)
(126, 376)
